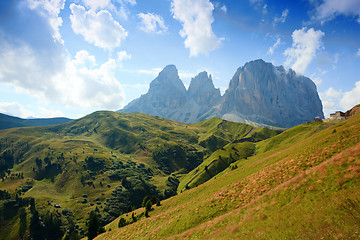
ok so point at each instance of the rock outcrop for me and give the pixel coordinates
(258, 93)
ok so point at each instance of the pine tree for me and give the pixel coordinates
(93, 225)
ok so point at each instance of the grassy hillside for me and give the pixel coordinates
(106, 161)
(301, 184)
(221, 159)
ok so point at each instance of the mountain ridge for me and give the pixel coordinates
(7, 121)
(259, 93)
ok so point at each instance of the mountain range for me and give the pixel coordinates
(259, 93)
(7, 121)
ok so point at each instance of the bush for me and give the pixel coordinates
(122, 222)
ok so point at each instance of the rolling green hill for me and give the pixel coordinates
(301, 184)
(107, 162)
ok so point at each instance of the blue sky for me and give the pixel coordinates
(72, 57)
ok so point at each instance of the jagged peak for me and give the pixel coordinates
(169, 69)
(201, 81)
(168, 77)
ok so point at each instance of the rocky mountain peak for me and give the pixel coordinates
(168, 79)
(264, 93)
(202, 90)
(259, 92)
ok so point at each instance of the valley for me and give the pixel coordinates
(106, 161)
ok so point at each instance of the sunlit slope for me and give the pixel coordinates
(82, 164)
(303, 183)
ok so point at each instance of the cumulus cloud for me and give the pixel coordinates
(330, 100)
(329, 9)
(50, 9)
(120, 9)
(358, 53)
(26, 67)
(77, 82)
(196, 18)
(152, 23)
(98, 28)
(96, 4)
(88, 86)
(273, 47)
(123, 55)
(15, 109)
(282, 18)
(334, 100)
(351, 98)
(305, 45)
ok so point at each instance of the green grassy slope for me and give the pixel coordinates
(106, 160)
(221, 159)
(301, 184)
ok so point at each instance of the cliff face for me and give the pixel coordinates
(258, 92)
(202, 90)
(167, 97)
(263, 93)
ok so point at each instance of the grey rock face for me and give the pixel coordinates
(258, 93)
(263, 93)
(168, 98)
(166, 93)
(202, 90)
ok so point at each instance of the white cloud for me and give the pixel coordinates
(131, 2)
(273, 47)
(282, 18)
(317, 80)
(50, 113)
(330, 100)
(335, 100)
(305, 45)
(14, 109)
(317, 77)
(50, 9)
(74, 82)
(154, 71)
(196, 18)
(22, 66)
(152, 23)
(264, 9)
(96, 4)
(119, 10)
(98, 28)
(329, 9)
(83, 85)
(358, 53)
(351, 98)
(123, 55)
(224, 9)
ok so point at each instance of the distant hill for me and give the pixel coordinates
(259, 94)
(7, 121)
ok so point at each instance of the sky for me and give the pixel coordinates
(73, 57)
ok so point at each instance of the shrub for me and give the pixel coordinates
(122, 222)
